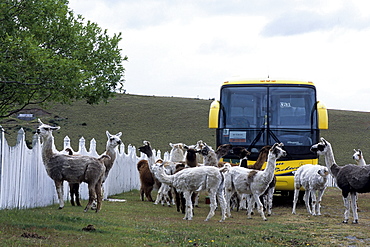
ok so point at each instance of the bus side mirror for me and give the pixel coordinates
(213, 115)
(322, 113)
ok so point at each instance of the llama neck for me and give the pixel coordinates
(361, 162)
(261, 160)
(164, 177)
(109, 162)
(330, 161)
(270, 167)
(211, 159)
(47, 148)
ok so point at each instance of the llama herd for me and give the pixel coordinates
(192, 169)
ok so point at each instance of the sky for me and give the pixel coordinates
(188, 48)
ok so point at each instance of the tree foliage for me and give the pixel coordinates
(48, 54)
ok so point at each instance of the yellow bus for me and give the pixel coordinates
(255, 113)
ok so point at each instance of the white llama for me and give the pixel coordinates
(358, 156)
(192, 180)
(254, 182)
(313, 179)
(72, 168)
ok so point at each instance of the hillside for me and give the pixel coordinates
(162, 120)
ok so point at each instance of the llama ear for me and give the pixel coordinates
(355, 150)
(324, 141)
(40, 121)
(171, 145)
(119, 134)
(274, 146)
(55, 128)
(108, 134)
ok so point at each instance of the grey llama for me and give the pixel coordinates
(351, 179)
(112, 143)
(75, 168)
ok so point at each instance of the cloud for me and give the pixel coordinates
(300, 21)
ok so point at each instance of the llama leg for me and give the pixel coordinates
(242, 202)
(92, 196)
(99, 196)
(142, 194)
(270, 196)
(222, 201)
(250, 203)
(159, 195)
(306, 199)
(59, 188)
(72, 193)
(354, 207)
(213, 205)
(319, 198)
(228, 195)
(314, 202)
(295, 200)
(76, 188)
(346, 209)
(189, 206)
(196, 200)
(259, 206)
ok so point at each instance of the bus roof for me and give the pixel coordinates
(265, 81)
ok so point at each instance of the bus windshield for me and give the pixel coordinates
(258, 115)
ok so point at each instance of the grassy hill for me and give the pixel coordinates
(162, 120)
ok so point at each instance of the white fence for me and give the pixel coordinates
(24, 182)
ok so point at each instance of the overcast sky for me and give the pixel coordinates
(188, 48)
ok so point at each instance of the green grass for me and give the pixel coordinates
(138, 223)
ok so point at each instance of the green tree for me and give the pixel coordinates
(48, 54)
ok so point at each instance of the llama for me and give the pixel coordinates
(177, 152)
(112, 143)
(190, 161)
(147, 180)
(255, 182)
(351, 179)
(165, 191)
(188, 181)
(359, 157)
(74, 169)
(211, 158)
(262, 158)
(313, 179)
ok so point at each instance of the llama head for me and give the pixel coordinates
(113, 140)
(146, 149)
(199, 145)
(223, 149)
(45, 130)
(206, 150)
(357, 156)
(177, 146)
(277, 151)
(321, 148)
(323, 171)
(241, 152)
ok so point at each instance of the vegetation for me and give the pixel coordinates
(135, 223)
(50, 55)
